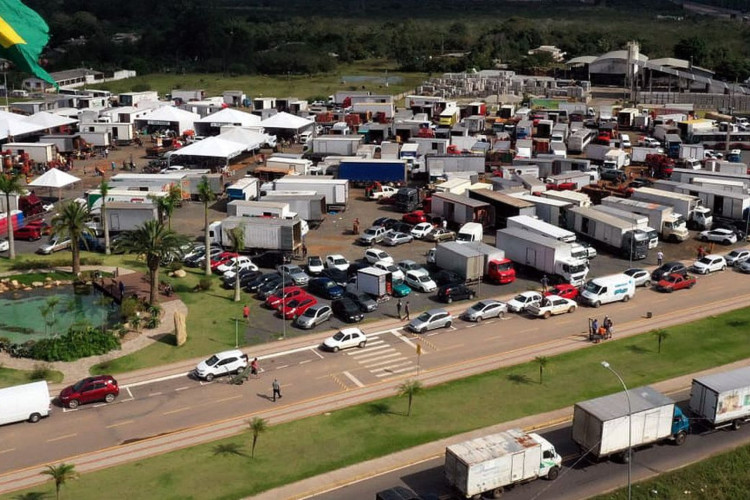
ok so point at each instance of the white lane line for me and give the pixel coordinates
(383, 361)
(228, 399)
(7, 451)
(395, 369)
(365, 356)
(403, 338)
(66, 436)
(402, 370)
(472, 326)
(182, 388)
(155, 394)
(282, 366)
(368, 350)
(118, 424)
(390, 368)
(315, 351)
(131, 396)
(353, 379)
(305, 361)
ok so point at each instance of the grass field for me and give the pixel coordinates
(10, 377)
(307, 447)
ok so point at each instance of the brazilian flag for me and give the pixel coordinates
(23, 35)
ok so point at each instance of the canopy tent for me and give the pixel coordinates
(212, 152)
(49, 120)
(13, 126)
(250, 138)
(211, 124)
(54, 178)
(167, 117)
(286, 124)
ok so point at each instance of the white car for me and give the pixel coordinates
(724, 236)
(337, 261)
(241, 262)
(625, 140)
(421, 281)
(372, 255)
(385, 192)
(314, 265)
(551, 305)
(421, 230)
(222, 363)
(520, 302)
(344, 339)
(734, 257)
(4, 245)
(709, 264)
(641, 276)
(485, 309)
(398, 274)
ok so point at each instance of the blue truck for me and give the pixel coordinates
(364, 171)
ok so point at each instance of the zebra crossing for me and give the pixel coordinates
(382, 359)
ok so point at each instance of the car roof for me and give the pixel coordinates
(714, 256)
(634, 270)
(418, 272)
(226, 354)
(348, 331)
(529, 293)
(432, 312)
(335, 256)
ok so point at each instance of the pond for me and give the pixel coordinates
(42, 313)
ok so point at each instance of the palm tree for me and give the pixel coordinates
(542, 360)
(104, 188)
(257, 425)
(157, 243)
(70, 224)
(237, 235)
(410, 388)
(10, 184)
(165, 205)
(206, 196)
(61, 474)
(660, 335)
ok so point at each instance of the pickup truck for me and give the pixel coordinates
(372, 235)
(675, 282)
(551, 305)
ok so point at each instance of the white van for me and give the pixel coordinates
(471, 231)
(606, 289)
(28, 402)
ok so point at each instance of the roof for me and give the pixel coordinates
(49, 120)
(460, 199)
(726, 381)
(286, 121)
(170, 114)
(582, 60)
(677, 63)
(54, 178)
(232, 117)
(620, 54)
(615, 405)
(486, 194)
(539, 239)
(212, 147)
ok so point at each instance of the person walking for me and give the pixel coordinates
(121, 287)
(254, 367)
(545, 283)
(659, 257)
(406, 311)
(246, 313)
(276, 389)
(594, 328)
(398, 308)
(304, 251)
(445, 224)
(607, 324)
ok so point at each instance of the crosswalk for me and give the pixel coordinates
(382, 359)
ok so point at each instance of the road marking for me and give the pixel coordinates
(124, 422)
(282, 366)
(314, 350)
(66, 436)
(369, 350)
(393, 370)
(178, 410)
(182, 388)
(404, 339)
(472, 326)
(338, 381)
(383, 361)
(390, 368)
(353, 379)
(155, 394)
(305, 361)
(7, 451)
(364, 355)
(228, 399)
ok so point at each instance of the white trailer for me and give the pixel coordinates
(98, 139)
(542, 253)
(670, 225)
(119, 133)
(597, 152)
(345, 145)
(65, 143)
(94, 197)
(609, 230)
(244, 189)
(39, 152)
(574, 197)
(374, 281)
(290, 165)
(28, 402)
(542, 228)
(600, 426)
(123, 216)
(310, 206)
(548, 209)
(691, 151)
(730, 204)
(691, 207)
(149, 182)
(722, 399)
(336, 191)
(724, 185)
(133, 98)
(244, 208)
(493, 463)
(440, 165)
(686, 175)
(260, 233)
(455, 186)
(638, 154)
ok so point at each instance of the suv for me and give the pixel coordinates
(222, 363)
(372, 235)
(88, 390)
(613, 175)
(348, 310)
(449, 293)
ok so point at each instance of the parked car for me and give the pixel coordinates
(295, 272)
(449, 293)
(551, 305)
(372, 235)
(348, 310)
(354, 267)
(430, 320)
(400, 289)
(440, 234)
(743, 267)
(709, 264)
(564, 290)
(296, 306)
(246, 276)
(230, 265)
(222, 363)
(666, 269)
(344, 339)
(737, 256)
(4, 245)
(641, 276)
(675, 282)
(372, 255)
(385, 222)
(363, 300)
(198, 260)
(721, 235)
(410, 265)
(314, 316)
(421, 230)
(275, 299)
(28, 233)
(415, 217)
(520, 302)
(325, 287)
(401, 227)
(270, 259)
(274, 286)
(420, 280)
(337, 261)
(55, 244)
(446, 277)
(261, 280)
(393, 239)
(314, 265)
(90, 390)
(337, 275)
(398, 275)
(222, 258)
(485, 309)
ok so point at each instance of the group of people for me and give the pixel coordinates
(598, 332)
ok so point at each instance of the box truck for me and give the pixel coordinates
(244, 189)
(609, 230)
(365, 170)
(723, 203)
(542, 228)
(377, 282)
(574, 197)
(637, 221)
(691, 207)
(309, 205)
(475, 260)
(260, 233)
(336, 191)
(490, 464)
(336, 145)
(94, 197)
(28, 402)
(123, 216)
(722, 399)
(614, 424)
(670, 225)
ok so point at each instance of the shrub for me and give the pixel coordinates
(206, 284)
(152, 322)
(78, 342)
(129, 307)
(154, 310)
(176, 265)
(142, 87)
(28, 264)
(41, 372)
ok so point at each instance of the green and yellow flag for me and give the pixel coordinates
(23, 35)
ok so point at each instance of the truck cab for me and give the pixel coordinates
(680, 425)
(471, 231)
(501, 271)
(701, 218)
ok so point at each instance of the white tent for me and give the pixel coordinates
(212, 152)
(49, 120)
(229, 116)
(168, 117)
(250, 138)
(13, 126)
(54, 178)
(286, 121)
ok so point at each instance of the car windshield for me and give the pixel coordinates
(505, 267)
(329, 284)
(520, 298)
(706, 261)
(424, 279)
(79, 385)
(315, 261)
(339, 262)
(310, 313)
(212, 360)
(671, 279)
(592, 287)
(734, 253)
(424, 317)
(370, 232)
(338, 336)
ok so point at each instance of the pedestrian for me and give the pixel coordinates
(406, 311)
(445, 224)
(84, 170)
(398, 308)
(114, 166)
(246, 313)
(659, 257)
(594, 327)
(545, 283)
(106, 152)
(607, 324)
(121, 286)
(276, 389)
(304, 251)
(701, 252)
(254, 367)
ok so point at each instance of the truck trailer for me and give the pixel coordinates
(124, 216)
(458, 209)
(722, 399)
(374, 281)
(336, 191)
(310, 206)
(542, 228)
(259, 233)
(244, 189)
(609, 230)
(336, 145)
(670, 225)
(474, 260)
(365, 170)
(501, 206)
(637, 221)
(723, 203)
(691, 207)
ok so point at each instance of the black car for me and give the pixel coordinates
(449, 293)
(666, 269)
(401, 227)
(356, 266)
(325, 287)
(337, 275)
(347, 310)
(269, 260)
(446, 277)
(274, 286)
(253, 286)
(246, 276)
(363, 300)
(640, 182)
(386, 222)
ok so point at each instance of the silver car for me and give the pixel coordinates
(314, 316)
(737, 256)
(485, 309)
(641, 276)
(429, 320)
(300, 277)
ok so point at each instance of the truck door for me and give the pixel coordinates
(530, 257)
(718, 205)
(114, 221)
(516, 466)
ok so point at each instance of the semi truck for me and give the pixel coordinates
(613, 232)
(546, 255)
(722, 399)
(696, 215)
(260, 233)
(637, 221)
(723, 203)
(671, 226)
(362, 170)
(615, 424)
(475, 260)
(244, 189)
(336, 191)
(490, 464)
(408, 199)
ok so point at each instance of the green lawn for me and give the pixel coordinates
(10, 377)
(307, 447)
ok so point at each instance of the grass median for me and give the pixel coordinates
(304, 448)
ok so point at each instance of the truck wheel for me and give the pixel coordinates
(736, 425)
(34, 418)
(497, 493)
(680, 438)
(553, 473)
(597, 304)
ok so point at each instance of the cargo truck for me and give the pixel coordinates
(123, 216)
(365, 170)
(723, 203)
(611, 231)
(441, 165)
(38, 152)
(574, 197)
(546, 255)
(259, 209)
(29, 402)
(377, 282)
(671, 226)
(309, 205)
(615, 159)
(244, 189)
(260, 233)
(638, 154)
(192, 180)
(597, 152)
(722, 399)
(542, 228)
(691, 207)
(336, 191)
(637, 221)
(94, 198)
(615, 424)
(336, 145)
(490, 464)
(475, 260)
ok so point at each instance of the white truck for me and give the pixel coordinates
(576, 198)
(638, 154)
(455, 186)
(670, 225)
(691, 207)
(94, 197)
(28, 402)
(724, 203)
(244, 189)
(343, 145)
(616, 159)
(471, 231)
(489, 464)
(692, 152)
(722, 399)
(290, 165)
(600, 426)
(608, 230)
(39, 152)
(542, 228)
(637, 221)
(336, 191)
(245, 208)
(375, 281)
(123, 216)
(597, 152)
(260, 233)
(544, 254)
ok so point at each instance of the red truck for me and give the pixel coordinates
(675, 282)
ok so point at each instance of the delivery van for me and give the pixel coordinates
(28, 402)
(606, 289)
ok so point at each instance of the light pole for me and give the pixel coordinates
(236, 333)
(630, 425)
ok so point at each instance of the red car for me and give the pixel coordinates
(566, 291)
(29, 233)
(41, 225)
(89, 390)
(675, 282)
(415, 217)
(297, 306)
(274, 301)
(222, 258)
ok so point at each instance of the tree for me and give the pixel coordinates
(70, 224)
(660, 335)
(104, 188)
(542, 360)
(10, 184)
(165, 205)
(258, 426)
(206, 195)
(156, 243)
(410, 388)
(692, 49)
(237, 234)
(60, 474)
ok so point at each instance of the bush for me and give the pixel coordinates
(41, 372)
(154, 310)
(176, 265)
(28, 264)
(152, 322)
(79, 342)
(129, 307)
(206, 283)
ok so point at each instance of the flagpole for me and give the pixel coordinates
(5, 78)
